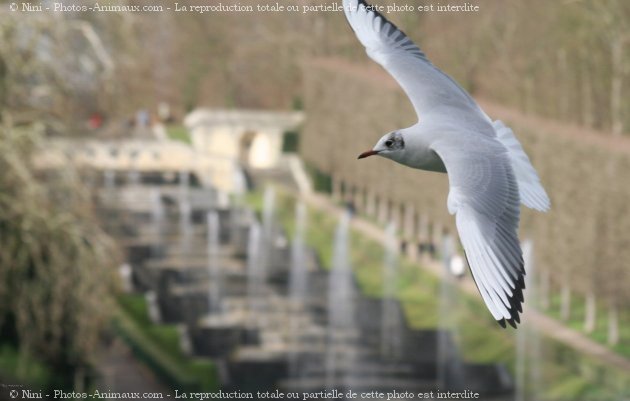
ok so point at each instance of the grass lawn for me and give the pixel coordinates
(600, 334)
(178, 133)
(158, 345)
(16, 368)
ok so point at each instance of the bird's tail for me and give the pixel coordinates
(532, 193)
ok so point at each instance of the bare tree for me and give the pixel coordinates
(56, 264)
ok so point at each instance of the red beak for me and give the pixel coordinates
(368, 153)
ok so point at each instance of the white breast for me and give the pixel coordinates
(424, 159)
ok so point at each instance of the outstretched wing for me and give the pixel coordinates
(430, 90)
(484, 196)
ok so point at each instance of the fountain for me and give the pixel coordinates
(277, 319)
(184, 184)
(528, 352)
(269, 201)
(109, 181)
(185, 343)
(449, 365)
(391, 324)
(133, 176)
(292, 326)
(185, 212)
(126, 277)
(297, 285)
(157, 221)
(214, 271)
(185, 225)
(222, 199)
(258, 255)
(240, 183)
(151, 299)
(254, 277)
(341, 311)
(298, 274)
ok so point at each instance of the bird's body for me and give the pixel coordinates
(489, 173)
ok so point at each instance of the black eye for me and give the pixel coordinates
(389, 143)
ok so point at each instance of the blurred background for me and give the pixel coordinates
(181, 207)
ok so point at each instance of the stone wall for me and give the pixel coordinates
(584, 240)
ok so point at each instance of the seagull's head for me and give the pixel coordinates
(390, 146)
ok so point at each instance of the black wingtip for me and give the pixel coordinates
(512, 322)
(515, 300)
(378, 14)
(515, 307)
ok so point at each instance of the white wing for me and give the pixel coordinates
(435, 95)
(430, 90)
(484, 196)
(532, 193)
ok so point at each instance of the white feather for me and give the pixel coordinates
(532, 193)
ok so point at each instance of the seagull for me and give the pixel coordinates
(489, 172)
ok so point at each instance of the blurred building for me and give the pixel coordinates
(254, 138)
